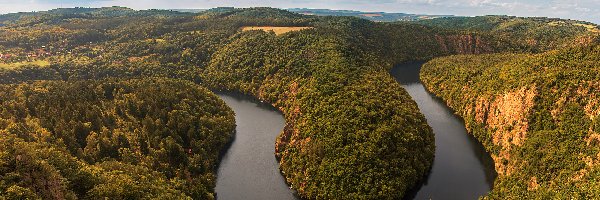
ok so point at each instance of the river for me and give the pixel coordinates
(249, 169)
(462, 169)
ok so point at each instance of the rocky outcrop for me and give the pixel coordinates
(463, 44)
(536, 114)
(289, 131)
(506, 117)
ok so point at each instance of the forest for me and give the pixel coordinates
(352, 132)
(117, 139)
(336, 124)
(537, 114)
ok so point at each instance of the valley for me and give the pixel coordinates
(117, 95)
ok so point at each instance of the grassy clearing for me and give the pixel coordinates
(16, 65)
(277, 30)
(590, 27)
(556, 23)
(372, 15)
(155, 40)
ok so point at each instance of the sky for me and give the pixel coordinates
(587, 10)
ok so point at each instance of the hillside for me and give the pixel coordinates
(338, 133)
(373, 16)
(535, 34)
(536, 113)
(133, 139)
(352, 132)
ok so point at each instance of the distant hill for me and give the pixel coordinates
(57, 15)
(352, 132)
(374, 16)
(504, 23)
(189, 10)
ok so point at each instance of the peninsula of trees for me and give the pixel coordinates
(96, 98)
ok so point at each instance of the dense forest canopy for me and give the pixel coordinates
(153, 138)
(351, 131)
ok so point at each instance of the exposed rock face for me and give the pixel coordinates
(463, 44)
(289, 131)
(537, 115)
(590, 90)
(506, 117)
(533, 184)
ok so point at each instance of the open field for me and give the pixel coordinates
(42, 63)
(277, 30)
(590, 27)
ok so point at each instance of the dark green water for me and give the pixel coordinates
(249, 169)
(462, 169)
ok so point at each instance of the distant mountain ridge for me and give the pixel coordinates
(352, 132)
(374, 16)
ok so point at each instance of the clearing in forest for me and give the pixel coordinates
(277, 30)
(590, 27)
(42, 63)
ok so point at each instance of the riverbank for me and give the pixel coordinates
(248, 169)
(462, 169)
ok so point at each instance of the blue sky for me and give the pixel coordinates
(587, 10)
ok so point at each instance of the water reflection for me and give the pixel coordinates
(461, 169)
(249, 170)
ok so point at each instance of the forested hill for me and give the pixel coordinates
(56, 15)
(133, 139)
(352, 132)
(373, 16)
(536, 113)
(346, 136)
(534, 34)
